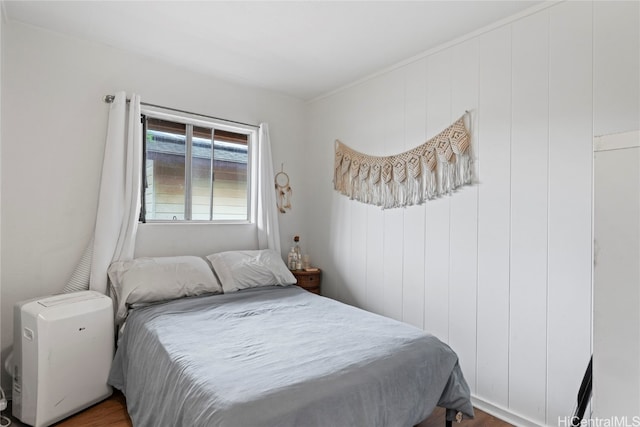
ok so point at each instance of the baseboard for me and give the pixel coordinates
(503, 413)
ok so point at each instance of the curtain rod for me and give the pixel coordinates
(109, 99)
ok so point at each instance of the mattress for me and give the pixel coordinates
(280, 356)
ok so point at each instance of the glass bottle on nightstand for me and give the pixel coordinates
(298, 253)
(291, 259)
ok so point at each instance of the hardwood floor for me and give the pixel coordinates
(112, 412)
(482, 419)
(109, 412)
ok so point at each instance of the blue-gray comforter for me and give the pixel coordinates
(280, 357)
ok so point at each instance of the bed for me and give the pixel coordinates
(277, 355)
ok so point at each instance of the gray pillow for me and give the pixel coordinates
(250, 269)
(147, 280)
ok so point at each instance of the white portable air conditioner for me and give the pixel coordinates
(63, 348)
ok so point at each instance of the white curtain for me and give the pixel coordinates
(119, 198)
(268, 228)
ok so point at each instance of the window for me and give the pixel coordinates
(195, 170)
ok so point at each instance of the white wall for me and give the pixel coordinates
(53, 132)
(501, 270)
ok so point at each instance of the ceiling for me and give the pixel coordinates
(299, 48)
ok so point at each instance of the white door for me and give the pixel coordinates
(616, 304)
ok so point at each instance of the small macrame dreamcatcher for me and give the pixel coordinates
(283, 190)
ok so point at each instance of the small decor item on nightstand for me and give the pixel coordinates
(291, 259)
(298, 253)
(305, 262)
(294, 259)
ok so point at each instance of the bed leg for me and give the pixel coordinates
(451, 415)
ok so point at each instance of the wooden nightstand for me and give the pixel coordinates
(309, 280)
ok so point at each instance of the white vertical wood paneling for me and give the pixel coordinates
(616, 85)
(413, 268)
(464, 224)
(529, 185)
(437, 211)
(518, 308)
(358, 263)
(340, 239)
(376, 123)
(494, 127)
(375, 217)
(341, 207)
(394, 218)
(358, 257)
(570, 186)
(375, 260)
(393, 236)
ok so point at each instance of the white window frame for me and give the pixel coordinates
(203, 121)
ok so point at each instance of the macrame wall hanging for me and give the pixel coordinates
(283, 191)
(432, 169)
